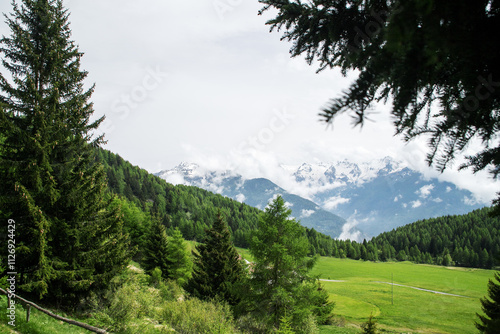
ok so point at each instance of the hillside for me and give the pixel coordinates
(469, 240)
(256, 192)
(190, 208)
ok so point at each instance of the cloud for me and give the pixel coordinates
(425, 191)
(175, 179)
(306, 213)
(416, 204)
(240, 198)
(349, 232)
(333, 202)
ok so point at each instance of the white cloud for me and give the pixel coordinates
(240, 198)
(333, 202)
(175, 179)
(425, 191)
(416, 204)
(349, 232)
(306, 213)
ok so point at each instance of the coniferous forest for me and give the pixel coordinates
(88, 233)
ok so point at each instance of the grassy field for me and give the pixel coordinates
(359, 289)
(357, 292)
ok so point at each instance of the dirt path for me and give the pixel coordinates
(426, 290)
(405, 286)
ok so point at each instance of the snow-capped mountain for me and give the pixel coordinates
(257, 193)
(380, 195)
(374, 197)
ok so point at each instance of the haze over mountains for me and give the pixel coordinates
(342, 199)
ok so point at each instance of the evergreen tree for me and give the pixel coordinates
(179, 260)
(155, 253)
(489, 323)
(370, 327)
(69, 240)
(216, 265)
(279, 283)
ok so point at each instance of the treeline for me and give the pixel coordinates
(469, 240)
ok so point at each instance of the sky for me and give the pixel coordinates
(205, 81)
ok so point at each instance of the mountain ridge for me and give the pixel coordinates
(372, 197)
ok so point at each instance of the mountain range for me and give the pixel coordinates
(341, 199)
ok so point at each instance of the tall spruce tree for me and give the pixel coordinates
(68, 240)
(489, 323)
(216, 265)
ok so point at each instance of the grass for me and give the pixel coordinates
(413, 311)
(39, 323)
(357, 294)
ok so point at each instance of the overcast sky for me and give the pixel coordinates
(205, 81)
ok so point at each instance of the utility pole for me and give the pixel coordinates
(392, 288)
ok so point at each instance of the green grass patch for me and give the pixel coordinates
(39, 323)
(413, 310)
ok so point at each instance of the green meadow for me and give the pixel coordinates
(356, 288)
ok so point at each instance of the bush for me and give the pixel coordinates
(194, 316)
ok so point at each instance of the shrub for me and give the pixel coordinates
(194, 316)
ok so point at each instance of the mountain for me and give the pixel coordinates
(257, 193)
(380, 195)
(375, 196)
(142, 196)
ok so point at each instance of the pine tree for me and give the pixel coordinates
(489, 323)
(280, 282)
(216, 265)
(69, 241)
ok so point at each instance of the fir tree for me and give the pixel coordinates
(489, 323)
(216, 265)
(68, 240)
(155, 253)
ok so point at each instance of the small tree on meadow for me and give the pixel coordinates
(370, 327)
(155, 253)
(490, 322)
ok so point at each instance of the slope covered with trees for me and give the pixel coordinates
(469, 240)
(191, 209)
